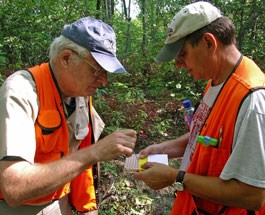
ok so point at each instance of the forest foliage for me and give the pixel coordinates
(28, 27)
(148, 98)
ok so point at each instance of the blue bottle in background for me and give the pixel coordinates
(188, 111)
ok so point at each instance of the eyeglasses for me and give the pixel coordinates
(97, 71)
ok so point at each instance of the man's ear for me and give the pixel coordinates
(64, 57)
(210, 42)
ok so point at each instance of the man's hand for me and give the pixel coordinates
(173, 148)
(157, 176)
(117, 143)
(152, 149)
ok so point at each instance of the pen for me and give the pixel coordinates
(220, 138)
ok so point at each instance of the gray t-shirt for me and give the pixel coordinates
(247, 161)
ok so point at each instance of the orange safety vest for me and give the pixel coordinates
(52, 142)
(209, 161)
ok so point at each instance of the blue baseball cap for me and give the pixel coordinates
(99, 38)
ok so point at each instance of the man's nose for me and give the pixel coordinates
(179, 63)
(103, 79)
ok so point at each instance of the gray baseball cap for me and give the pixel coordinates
(188, 20)
(99, 38)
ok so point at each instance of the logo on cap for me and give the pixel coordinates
(110, 46)
(169, 32)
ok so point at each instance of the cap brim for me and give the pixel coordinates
(109, 63)
(170, 51)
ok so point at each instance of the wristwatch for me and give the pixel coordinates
(179, 181)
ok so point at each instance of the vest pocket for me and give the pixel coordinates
(208, 160)
(48, 122)
(218, 159)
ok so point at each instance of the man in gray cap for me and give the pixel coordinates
(227, 177)
(48, 125)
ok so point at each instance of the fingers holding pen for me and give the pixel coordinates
(123, 150)
(117, 143)
(127, 140)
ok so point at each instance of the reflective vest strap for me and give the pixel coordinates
(91, 119)
(96, 167)
(90, 107)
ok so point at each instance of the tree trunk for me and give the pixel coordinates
(143, 6)
(127, 15)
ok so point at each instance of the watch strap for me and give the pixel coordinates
(180, 176)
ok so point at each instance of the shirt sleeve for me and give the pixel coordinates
(247, 161)
(18, 112)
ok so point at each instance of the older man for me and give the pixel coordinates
(48, 125)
